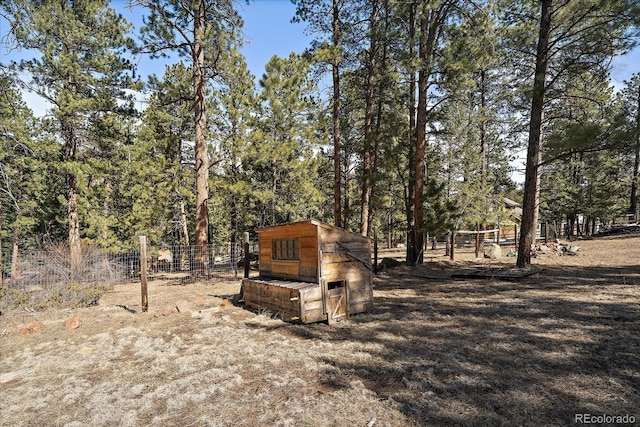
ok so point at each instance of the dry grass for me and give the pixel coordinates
(434, 351)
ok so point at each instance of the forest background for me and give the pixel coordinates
(405, 116)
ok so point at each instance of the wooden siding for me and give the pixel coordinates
(326, 254)
(285, 268)
(305, 268)
(293, 301)
(347, 257)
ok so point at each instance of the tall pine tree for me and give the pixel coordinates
(81, 45)
(203, 31)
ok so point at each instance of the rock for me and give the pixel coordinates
(85, 350)
(225, 303)
(492, 251)
(183, 306)
(388, 263)
(72, 323)
(199, 301)
(572, 250)
(164, 311)
(31, 327)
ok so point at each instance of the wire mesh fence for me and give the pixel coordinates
(52, 264)
(44, 278)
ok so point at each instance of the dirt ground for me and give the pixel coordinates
(539, 350)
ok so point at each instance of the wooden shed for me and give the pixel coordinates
(311, 272)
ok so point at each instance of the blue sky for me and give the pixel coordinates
(625, 66)
(268, 28)
(269, 31)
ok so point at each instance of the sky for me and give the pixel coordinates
(268, 31)
(268, 28)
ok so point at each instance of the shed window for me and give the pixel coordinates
(286, 249)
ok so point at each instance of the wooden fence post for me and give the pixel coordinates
(546, 232)
(247, 257)
(143, 273)
(453, 244)
(447, 247)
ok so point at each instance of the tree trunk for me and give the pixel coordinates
(408, 190)
(346, 213)
(274, 189)
(335, 75)
(106, 205)
(452, 251)
(185, 234)
(530, 205)
(15, 257)
(483, 126)
(367, 152)
(390, 229)
(70, 147)
(201, 155)
(432, 19)
(183, 221)
(379, 113)
(633, 205)
(425, 50)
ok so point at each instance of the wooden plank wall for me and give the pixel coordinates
(289, 301)
(347, 256)
(261, 295)
(304, 269)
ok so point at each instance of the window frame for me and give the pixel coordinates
(285, 249)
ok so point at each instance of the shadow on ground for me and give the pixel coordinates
(485, 352)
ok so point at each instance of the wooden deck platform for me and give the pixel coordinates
(289, 284)
(291, 300)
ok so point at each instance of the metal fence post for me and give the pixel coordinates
(143, 273)
(247, 257)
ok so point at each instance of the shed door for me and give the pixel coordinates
(337, 301)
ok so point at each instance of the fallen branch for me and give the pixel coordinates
(10, 376)
(130, 310)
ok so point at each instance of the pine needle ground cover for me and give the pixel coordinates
(434, 351)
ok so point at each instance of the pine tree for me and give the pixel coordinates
(283, 164)
(573, 37)
(431, 19)
(158, 184)
(81, 44)
(471, 121)
(25, 158)
(203, 31)
(338, 25)
(233, 208)
(630, 117)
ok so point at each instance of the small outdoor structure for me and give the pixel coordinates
(311, 272)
